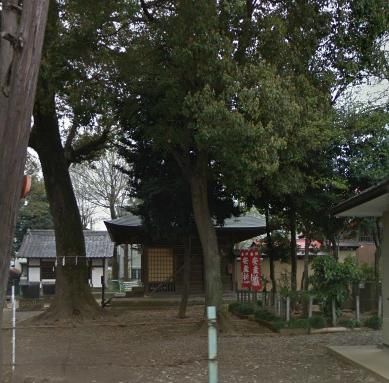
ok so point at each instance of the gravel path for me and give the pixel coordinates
(154, 346)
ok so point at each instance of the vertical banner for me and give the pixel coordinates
(255, 270)
(245, 269)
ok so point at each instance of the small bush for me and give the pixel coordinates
(317, 322)
(259, 303)
(349, 323)
(298, 323)
(373, 322)
(266, 316)
(278, 325)
(241, 308)
(232, 307)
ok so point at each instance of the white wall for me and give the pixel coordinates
(34, 274)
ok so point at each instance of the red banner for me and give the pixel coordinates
(245, 269)
(255, 270)
(250, 267)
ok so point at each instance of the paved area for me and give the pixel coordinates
(154, 346)
(372, 358)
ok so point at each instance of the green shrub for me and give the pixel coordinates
(317, 322)
(374, 322)
(265, 315)
(233, 307)
(298, 323)
(278, 324)
(349, 323)
(241, 308)
(259, 303)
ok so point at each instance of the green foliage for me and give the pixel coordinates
(265, 315)
(298, 323)
(349, 323)
(278, 325)
(374, 322)
(332, 279)
(34, 212)
(367, 272)
(242, 308)
(317, 321)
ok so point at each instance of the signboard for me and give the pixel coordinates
(245, 269)
(250, 267)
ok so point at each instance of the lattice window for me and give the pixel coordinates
(160, 264)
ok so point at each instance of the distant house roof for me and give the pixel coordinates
(129, 229)
(41, 244)
(372, 202)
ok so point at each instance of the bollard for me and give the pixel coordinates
(212, 344)
(380, 306)
(357, 309)
(287, 309)
(278, 300)
(310, 307)
(333, 313)
(13, 328)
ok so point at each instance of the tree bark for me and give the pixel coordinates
(208, 238)
(293, 249)
(270, 252)
(186, 278)
(115, 264)
(73, 296)
(19, 67)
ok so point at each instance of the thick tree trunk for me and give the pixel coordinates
(115, 261)
(115, 264)
(186, 278)
(208, 239)
(293, 249)
(270, 251)
(19, 66)
(73, 296)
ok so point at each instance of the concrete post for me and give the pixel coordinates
(357, 310)
(287, 309)
(212, 345)
(385, 277)
(310, 307)
(333, 306)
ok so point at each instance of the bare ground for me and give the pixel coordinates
(152, 346)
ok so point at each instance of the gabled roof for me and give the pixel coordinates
(372, 202)
(41, 244)
(129, 229)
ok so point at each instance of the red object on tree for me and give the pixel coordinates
(245, 269)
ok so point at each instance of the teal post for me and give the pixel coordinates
(212, 344)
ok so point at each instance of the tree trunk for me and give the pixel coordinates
(125, 263)
(73, 296)
(270, 252)
(115, 261)
(208, 239)
(293, 249)
(115, 264)
(186, 278)
(19, 68)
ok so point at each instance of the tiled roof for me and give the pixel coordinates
(242, 222)
(41, 244)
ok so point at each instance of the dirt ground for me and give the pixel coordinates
(151, 346)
